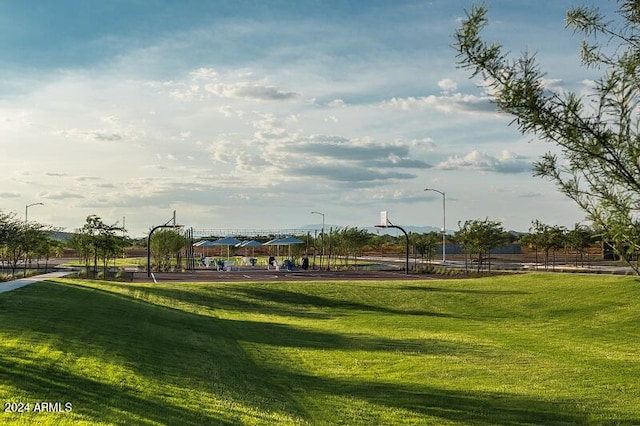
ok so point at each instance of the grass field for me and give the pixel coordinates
(526, 349)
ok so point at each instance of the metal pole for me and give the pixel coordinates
(406, 236)
(315, 238)
(26, 210)
(444, 228)
(322, 254)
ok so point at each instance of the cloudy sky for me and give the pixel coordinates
(253, 113)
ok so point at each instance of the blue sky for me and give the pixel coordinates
(252, 114)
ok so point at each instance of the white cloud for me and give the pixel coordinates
(267, 133)
(59, 195)
(9, 195)
(449, 103)
(553, 84)
(506, 162)
(337, 103)
(206, 83)
(424, 145)
(447, 85)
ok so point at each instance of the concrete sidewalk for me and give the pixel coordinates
(14, 284)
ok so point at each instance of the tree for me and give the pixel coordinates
(549, 238)
(350, 241)
(8, 229)
(579, 239)
(598, 137)
(478, 237)
(31, 236)
(98, 240)
(166, 244)
(81, 243)
(379, 243)
(20, 240)
(11, 239)
(425, 244)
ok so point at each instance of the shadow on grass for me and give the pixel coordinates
(284, 335)
(295, 337)
(466, 407)
(226, 300)
(307, 300)
(166, 348)
(464, 290)
(95, 400)
(202, 352)
(274, 301)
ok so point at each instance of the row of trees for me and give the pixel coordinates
(97, 244)
(476, 237)
(21, 242)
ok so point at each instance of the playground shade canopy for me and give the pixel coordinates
(227, 241)
(285, 241)
(249, 243)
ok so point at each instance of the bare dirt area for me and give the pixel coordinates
(264, 275)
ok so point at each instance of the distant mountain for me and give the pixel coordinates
(382, 231)
(61, 236)
(408, 228)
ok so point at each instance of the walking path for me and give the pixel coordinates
(14, 284)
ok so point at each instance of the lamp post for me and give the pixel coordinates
(322, 256)
(444, 222)
(26, 210)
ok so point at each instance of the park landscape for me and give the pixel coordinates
(535, 348)
(488, 348)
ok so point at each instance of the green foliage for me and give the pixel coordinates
(98, 241)
(597, 135)
(22, 241)
(579, 238)
(379, 243)
(478, 237)
(425, 244)
(81, 243)
(525, 349)
(548, 238)
(166, 245)
(349, 242)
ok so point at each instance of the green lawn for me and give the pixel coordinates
(526, 349)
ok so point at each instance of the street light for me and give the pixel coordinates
(322, 256)
(444, 222)
(26, 209)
